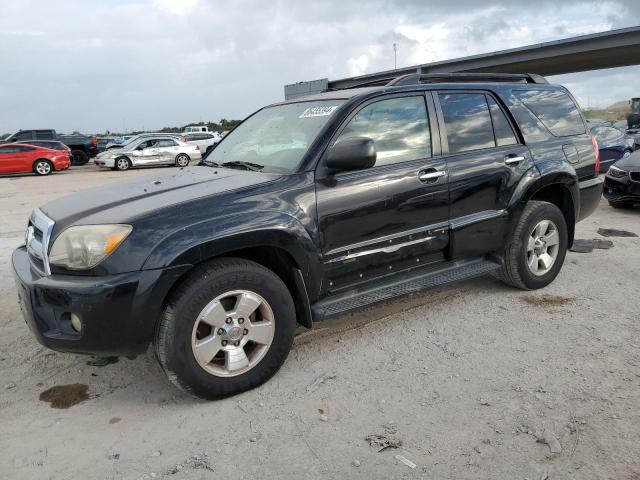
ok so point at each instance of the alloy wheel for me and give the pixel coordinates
(123, 164)
(43, 168)
(232, 333)
(543, 247)
(182, 160)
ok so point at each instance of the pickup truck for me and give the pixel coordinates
(311, 208)
(82, 147)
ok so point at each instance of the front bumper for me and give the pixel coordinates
(106, 161)
(118, 312)
(590, 195)
(622, 189)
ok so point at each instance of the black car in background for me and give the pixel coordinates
(613, 145)
(622, 182)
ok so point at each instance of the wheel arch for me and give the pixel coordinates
(287, 250)
(562, 192)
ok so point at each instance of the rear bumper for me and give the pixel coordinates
(590, 195)
(621, 189)
(118, 312)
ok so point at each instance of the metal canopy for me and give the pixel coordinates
(615, 48)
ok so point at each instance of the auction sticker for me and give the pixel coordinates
(318, 112)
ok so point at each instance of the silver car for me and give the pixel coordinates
(149, 152)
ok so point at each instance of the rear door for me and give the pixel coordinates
(485, 159)
(167, 150)
(393, 216)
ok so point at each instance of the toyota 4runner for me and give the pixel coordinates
(312, 208)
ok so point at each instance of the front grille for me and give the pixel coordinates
(635, 176)
(38, 236)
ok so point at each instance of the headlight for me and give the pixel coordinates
(84, 246)
(616, 172)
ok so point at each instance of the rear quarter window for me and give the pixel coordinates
(555, 109)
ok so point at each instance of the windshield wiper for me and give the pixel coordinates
(254, 167)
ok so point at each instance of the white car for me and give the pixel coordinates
(205, 140)
(150, 151)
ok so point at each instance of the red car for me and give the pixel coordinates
(20, 158)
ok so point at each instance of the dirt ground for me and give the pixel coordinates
(470, 380)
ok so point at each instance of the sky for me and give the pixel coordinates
(128, 65)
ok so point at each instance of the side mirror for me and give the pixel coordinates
(353, 153)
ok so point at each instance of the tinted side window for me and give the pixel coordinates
(23, 136)
(501, 127)
(8, 150)
(166, 143)
(398, 126)
(24, 149)
(467, 121)
(44, 134)
(555, 109)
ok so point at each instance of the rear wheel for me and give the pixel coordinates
(79, 157)
(123, 163)
(42, 167)
(182, 160)
(538, 247)
(226, 329)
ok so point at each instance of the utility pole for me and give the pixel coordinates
(395, 56)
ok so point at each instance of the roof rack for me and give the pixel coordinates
(413, 78)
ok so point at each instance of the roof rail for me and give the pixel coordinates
(413, 78)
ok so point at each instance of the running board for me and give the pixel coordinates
(399, 286)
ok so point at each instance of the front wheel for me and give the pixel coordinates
(182, 160)
(538, 247)
(227, 328)
(123, 163)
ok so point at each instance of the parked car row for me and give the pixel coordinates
(82, 147)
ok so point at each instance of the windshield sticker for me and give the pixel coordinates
(318, 112)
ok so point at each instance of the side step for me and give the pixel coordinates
(399, 286)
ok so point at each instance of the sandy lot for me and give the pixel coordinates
(466, 377)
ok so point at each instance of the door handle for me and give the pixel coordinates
(509, 160)
(431, 174)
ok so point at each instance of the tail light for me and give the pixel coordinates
(596, 152)
(94, 142)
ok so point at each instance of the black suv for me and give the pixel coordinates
(312, 208)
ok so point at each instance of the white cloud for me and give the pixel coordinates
(153, 63)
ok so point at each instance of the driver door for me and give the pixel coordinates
(393, 216)
(146, 153)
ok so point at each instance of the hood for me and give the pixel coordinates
(122, 202)
(632, 162)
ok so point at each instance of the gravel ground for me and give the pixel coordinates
(468, 381)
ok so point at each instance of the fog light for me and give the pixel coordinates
(76, 324)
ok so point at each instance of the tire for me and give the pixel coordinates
(516, 270)
(182, 160)
(620, 204)
(42, 167)
(122, 163)
(208, 293)
(79, 157)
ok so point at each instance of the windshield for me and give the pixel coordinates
(275, 137)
